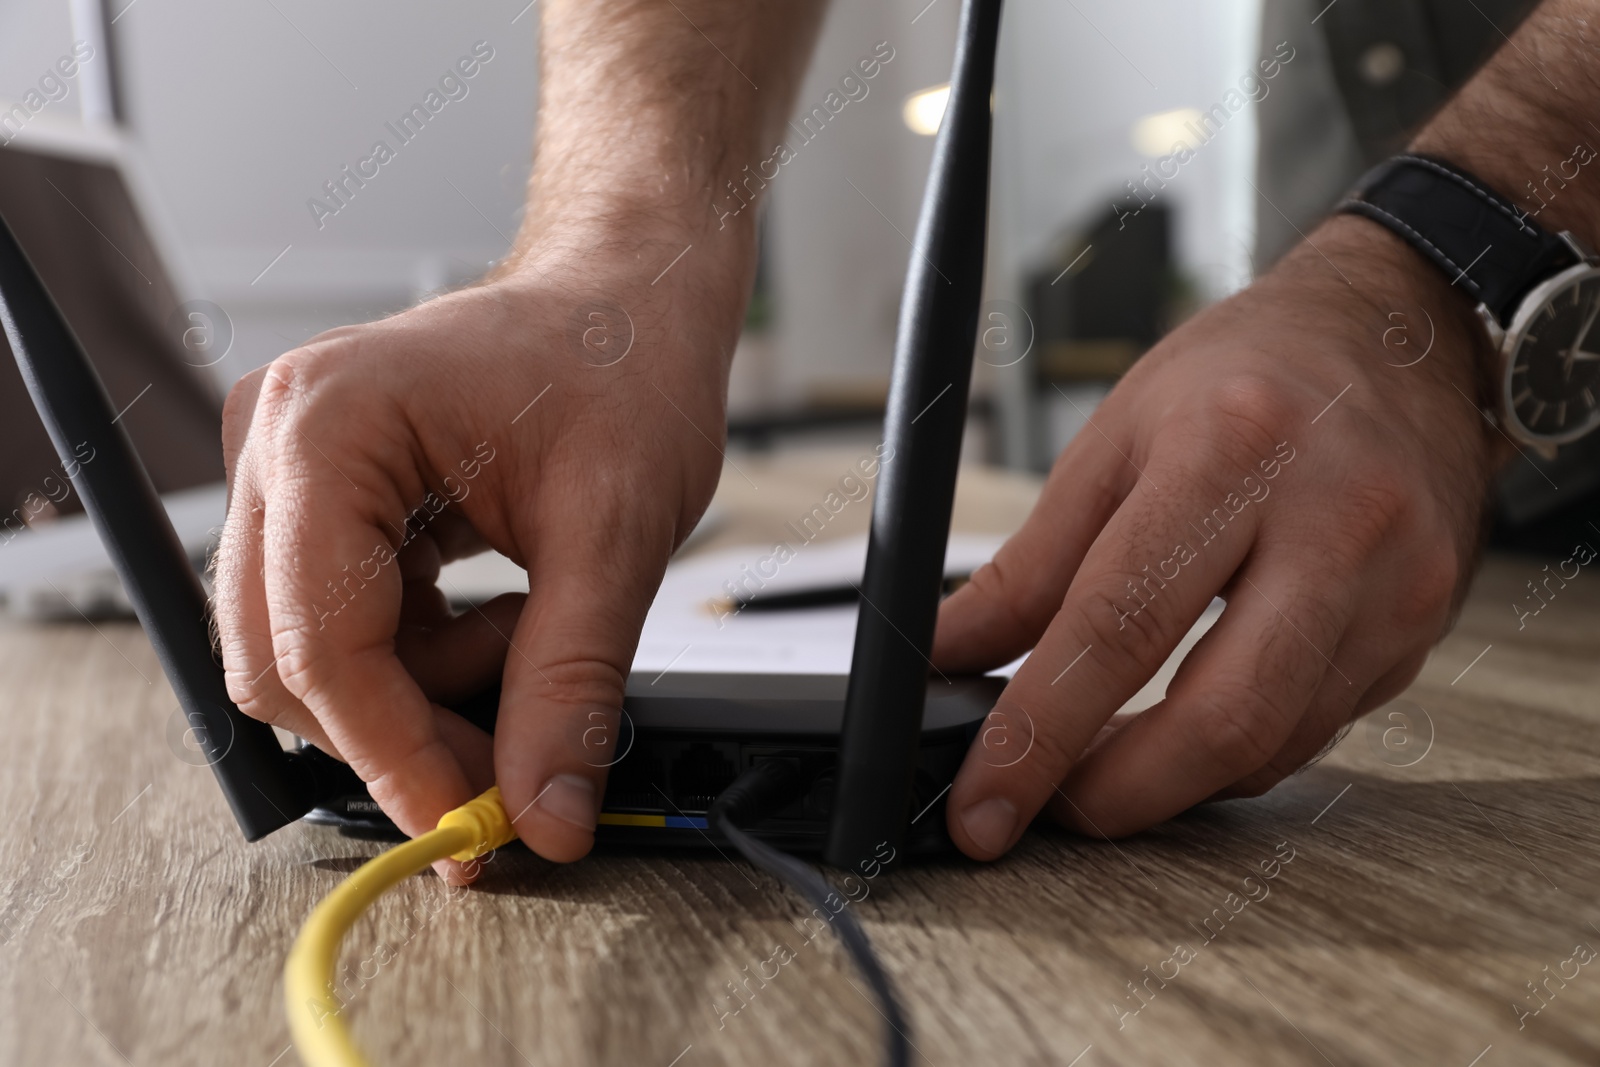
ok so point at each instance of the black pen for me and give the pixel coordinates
(817, 596)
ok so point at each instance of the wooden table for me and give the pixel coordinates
(1419, 903)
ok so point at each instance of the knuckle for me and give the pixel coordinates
(990, 580)
(233, 645)
(254, 696)
(1322, 615)
(1372, 506)
(582, 682)
(284, 379)
(1235, 729)
(241, 398)
(1020, 604)
(1290, 655)
(392, 779)
(1249, 413)
(1428, 592)
(1052, 742)
(271, 712)
(243, 688)
(289, 385)
(1335, 722)
(1288, 664)
(1115, 620)
(302, 661)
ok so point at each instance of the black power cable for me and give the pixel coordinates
(884, 704)
(766, 787)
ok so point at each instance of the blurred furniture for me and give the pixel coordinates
(79, 204)
(1104, 297)
(1107, 293)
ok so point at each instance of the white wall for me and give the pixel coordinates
(32, 35)
(840, 222)
(245, 109)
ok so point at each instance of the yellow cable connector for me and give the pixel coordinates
(486, 820)
(315, 1023)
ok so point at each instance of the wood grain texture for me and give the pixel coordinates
(1419, 903)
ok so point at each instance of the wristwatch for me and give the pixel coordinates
(1538, 292)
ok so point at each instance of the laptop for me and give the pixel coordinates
(78, 199)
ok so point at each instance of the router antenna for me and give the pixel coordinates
(266, 786)
(926, 414)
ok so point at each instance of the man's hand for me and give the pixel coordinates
(568, 418)
(1290, 452)
(568, 412)
(1273, 452)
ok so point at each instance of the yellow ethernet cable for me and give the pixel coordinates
(315, 1020)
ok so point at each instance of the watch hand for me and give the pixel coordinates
(1588, 322)
(1569, 356)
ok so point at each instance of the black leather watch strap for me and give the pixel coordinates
(1483, 242)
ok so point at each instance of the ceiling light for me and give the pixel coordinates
(924, 110)
(1155, 135)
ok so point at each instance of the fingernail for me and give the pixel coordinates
(990, 824)
(570, 798)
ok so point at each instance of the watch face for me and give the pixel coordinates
(1553, 391)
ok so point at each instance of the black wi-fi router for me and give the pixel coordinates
(878, 747)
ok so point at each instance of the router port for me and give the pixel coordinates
(634, 783)
(700, 772)
(819, 800)
(814, 765)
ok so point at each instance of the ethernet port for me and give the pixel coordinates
(634, 783)
(699, 773)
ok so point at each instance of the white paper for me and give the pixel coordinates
(686, 633)
(683, 631)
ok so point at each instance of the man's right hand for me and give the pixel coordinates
(582, 456)
(569, 414)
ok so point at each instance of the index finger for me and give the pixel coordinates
(1144, 582)
(333, 588)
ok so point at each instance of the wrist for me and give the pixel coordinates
(623, 208)
(637, 252)
(1521, 124)
(639, 278)
(1399, 307)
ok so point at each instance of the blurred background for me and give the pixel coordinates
(181, 174)
(240, 112)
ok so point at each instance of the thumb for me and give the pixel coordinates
(560, 719)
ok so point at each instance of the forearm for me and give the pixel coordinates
(647, 109)
(1522, 125)
(1523, 122)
